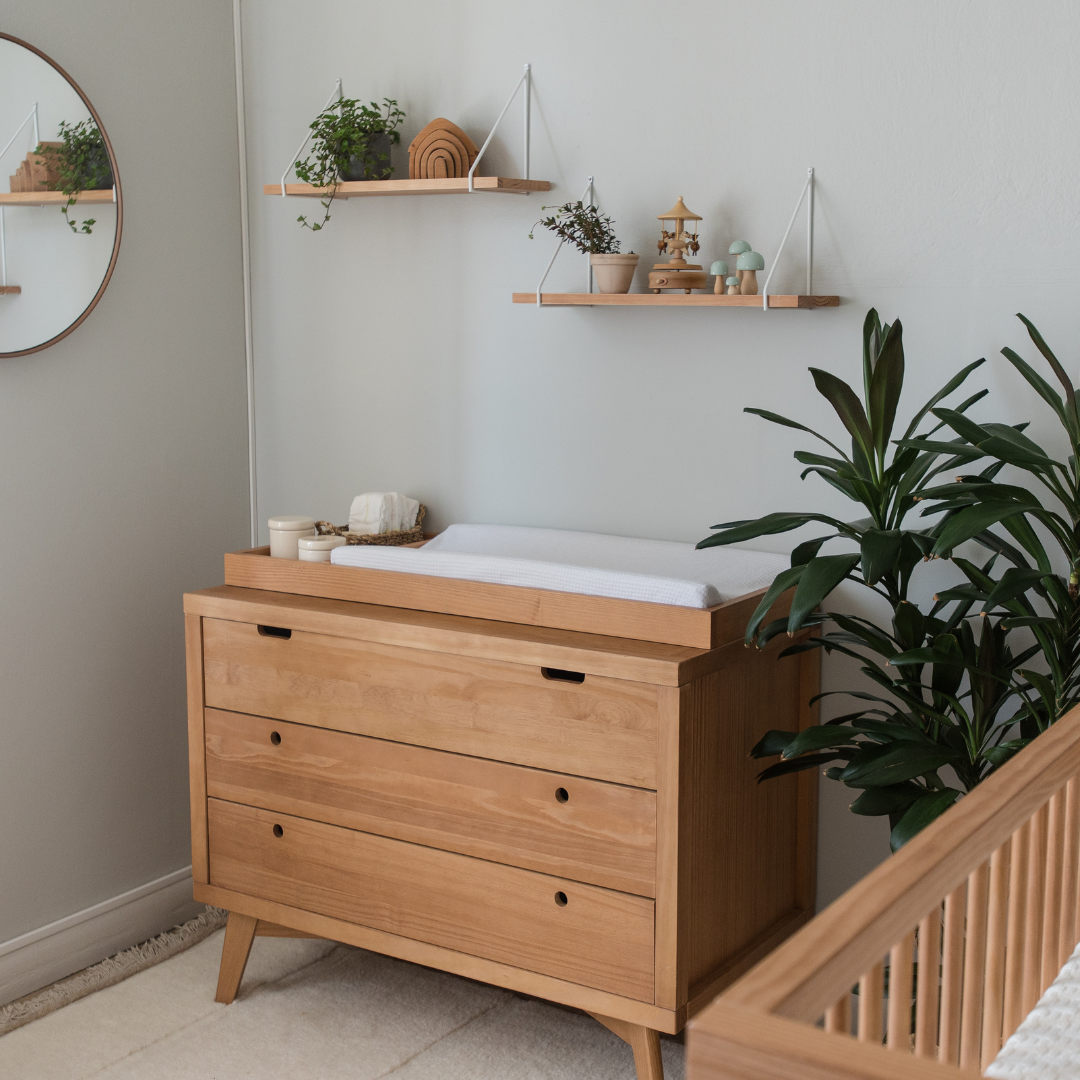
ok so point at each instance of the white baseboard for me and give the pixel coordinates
(52, 952)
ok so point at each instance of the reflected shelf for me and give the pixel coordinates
(51, 198)
(10, 290)
(680, 299)
(352, 189)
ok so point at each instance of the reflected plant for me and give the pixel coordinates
(942, 687)
(82, 162)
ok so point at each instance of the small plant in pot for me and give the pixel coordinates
(591, 233)
(81, 162)
(350, 141)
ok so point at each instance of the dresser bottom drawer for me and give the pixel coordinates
(582, 933)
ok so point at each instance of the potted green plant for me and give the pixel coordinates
(592, 234)
(350, 141)
(942, 680)
(82, 162)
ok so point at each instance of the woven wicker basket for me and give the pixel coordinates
(389, 539)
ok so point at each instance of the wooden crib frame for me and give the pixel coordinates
(991, 888)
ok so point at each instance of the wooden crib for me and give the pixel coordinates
(987, 896)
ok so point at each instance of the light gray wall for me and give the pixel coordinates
(388, 354)
(124, 471)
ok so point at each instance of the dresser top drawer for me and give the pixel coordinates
(589, 726)
(622, 658)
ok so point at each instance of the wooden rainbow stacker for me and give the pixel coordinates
(545, 791)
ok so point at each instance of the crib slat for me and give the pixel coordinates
(974, 969)
(838, 1017)
(1070, 872)
(1014, 942)
(871, 992)
(952, 966)
(901, 975)
(1033, 923)
(1051, 928)
(997, 922)
(928, 987)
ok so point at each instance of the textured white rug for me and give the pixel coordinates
(313, 1010)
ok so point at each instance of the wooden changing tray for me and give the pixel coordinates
(702, 628)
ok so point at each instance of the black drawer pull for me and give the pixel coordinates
(275, 738)
(278, 830)
(560, 899)
(275, 631)
(562, 795)
(562, 676)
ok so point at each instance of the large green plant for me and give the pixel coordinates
(1031, 591)
(82, 162)
(942, 685)
(345, 137)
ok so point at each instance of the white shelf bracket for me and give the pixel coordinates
(587, 198)
(808, 189)
(307, 139)
(526, 81)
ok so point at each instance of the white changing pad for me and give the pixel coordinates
(1046, 1046)
(656, 571)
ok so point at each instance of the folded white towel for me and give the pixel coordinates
(382, 512)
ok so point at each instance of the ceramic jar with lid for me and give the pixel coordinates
(318, 548)
(285, 532)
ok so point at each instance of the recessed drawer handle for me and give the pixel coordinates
(559, 675)
(275, 738)
(275, 631)
(562, 795)
(278, 830)
(560, 899)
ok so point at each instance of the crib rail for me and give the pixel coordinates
(931, 962)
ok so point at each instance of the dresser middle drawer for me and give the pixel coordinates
(586, 830)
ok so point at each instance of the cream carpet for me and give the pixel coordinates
(313, 1010)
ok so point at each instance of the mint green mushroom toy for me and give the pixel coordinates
(737, 249)
(732, 284)
(720, 269)
(748, 264)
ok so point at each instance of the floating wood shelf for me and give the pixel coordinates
(673, 299)
(353, 189)
(10, 290)
(45, 198)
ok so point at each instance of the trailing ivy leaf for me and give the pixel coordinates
(927, 809)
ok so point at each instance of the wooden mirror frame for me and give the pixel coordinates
(119, 201)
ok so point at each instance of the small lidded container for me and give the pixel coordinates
(284, 533)
(318, 548)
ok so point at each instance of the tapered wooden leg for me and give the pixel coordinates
(239, 934)
(643, 1041)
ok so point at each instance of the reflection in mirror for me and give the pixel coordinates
(60, 209)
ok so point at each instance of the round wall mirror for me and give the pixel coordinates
(60, 205)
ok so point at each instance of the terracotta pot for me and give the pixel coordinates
(614, 273)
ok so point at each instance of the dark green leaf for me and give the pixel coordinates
(765, 526)
(886, 386)
(896, 766)
(808, 761)
(875, 802)
(781, 583)
(880, 551)
(927, 809)
(819, 578)
(773, 743)
(848, 407)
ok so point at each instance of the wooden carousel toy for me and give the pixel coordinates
(677, 273)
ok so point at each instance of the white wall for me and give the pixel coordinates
(123, 479)
(389, 356)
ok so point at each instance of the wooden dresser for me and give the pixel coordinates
(566, 814)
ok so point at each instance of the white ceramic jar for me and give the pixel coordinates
(318, 548)
(284, 533)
